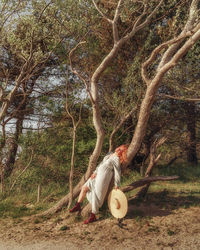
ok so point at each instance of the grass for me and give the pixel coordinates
(20, 203)
(9, 209)
(186, 172)
(170, 195)
(184, 192)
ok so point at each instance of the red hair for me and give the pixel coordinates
(122, 152)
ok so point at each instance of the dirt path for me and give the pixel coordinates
(146, 228)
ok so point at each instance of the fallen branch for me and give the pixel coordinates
(147, 180)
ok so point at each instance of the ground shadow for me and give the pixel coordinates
(161, 204)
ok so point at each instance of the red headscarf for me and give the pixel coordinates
(122, 153)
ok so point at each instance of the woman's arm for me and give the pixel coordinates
(117, 172)
(94, 174)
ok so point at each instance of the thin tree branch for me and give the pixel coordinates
(137, 27)
(114, 23)
(76, 73)
(181, 98)
(75, 125)
(43, 10)
(192, 20)
(122, 121)
(102, 14)
(14, 182)
(8, 16)
(157, 50)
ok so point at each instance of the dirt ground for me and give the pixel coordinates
(144, 227)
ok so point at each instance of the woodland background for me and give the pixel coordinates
(53, 106)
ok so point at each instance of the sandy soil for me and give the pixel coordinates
(144, 227)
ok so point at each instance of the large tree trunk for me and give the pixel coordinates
(13, 146)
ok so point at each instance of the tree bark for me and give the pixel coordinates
(152, 163)
(10, 161)
(147, 180)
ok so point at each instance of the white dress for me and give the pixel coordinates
(98, 186)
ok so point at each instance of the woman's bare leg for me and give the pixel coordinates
(77, 207)
(83, 193)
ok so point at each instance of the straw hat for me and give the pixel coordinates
(117, 203)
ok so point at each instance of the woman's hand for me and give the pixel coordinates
(93, 176)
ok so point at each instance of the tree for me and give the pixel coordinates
(185, 94)
(168, 59)
(140, 22)
(28, 43)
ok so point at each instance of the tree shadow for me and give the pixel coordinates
(161, 204)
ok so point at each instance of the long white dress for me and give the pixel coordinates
(98, 186)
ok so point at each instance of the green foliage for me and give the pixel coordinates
(185, 171)
(52, 155)
(31, 33)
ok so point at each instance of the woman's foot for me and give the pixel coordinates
(91, 219)
(76, 208)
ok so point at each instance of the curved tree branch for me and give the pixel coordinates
(147, 180)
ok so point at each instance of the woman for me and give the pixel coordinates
(97, 185)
